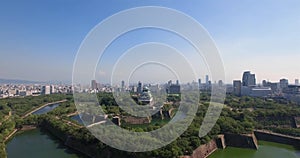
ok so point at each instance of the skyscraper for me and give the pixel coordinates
(52, 89)
(123, 86)
(237, 87)
(46, 90)
(139, 88)
(206, 80)
(94, 84)
(169, 82)
(283, 83)
(220, 83)
(296, 81)
(249, 79)
(264, 83)
(199, 82)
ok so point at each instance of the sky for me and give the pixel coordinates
(39, 40)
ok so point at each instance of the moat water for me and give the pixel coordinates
(77, 119)
(38, 144)
(46, 109)
(265, 150)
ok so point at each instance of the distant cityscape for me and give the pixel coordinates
(247, 86)
(281, 89)
(22, 90)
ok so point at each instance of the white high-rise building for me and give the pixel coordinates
(52, 89)
(46, 90)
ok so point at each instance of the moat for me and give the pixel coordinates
(265, 150)
(36, 143)
(44, 142)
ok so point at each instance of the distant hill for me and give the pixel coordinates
(16, 81)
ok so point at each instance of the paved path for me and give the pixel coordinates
(277, 134)
(10, 135)
(73, 114)
(94, 124)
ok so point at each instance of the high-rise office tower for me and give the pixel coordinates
(140, 88)
(46, 90)
(199, 82)
(122, 85)
(249, 79)
(94, 84)
(283, 83)
(206, 80)
(220, 83)
(237, 87)
(264, 83)
(296, 81)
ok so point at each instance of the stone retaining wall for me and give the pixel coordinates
(277, 138)
(204, 150)
(241, 141)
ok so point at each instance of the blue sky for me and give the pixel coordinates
(39, 39)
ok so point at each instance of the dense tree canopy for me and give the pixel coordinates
(240, 115)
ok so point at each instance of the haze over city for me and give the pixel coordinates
(39, 40)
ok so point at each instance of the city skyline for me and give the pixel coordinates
(40, 40)
(156, 78)
(204, 80)
(245, 86)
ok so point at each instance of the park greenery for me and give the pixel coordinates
(241, 115)
(13, 109)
